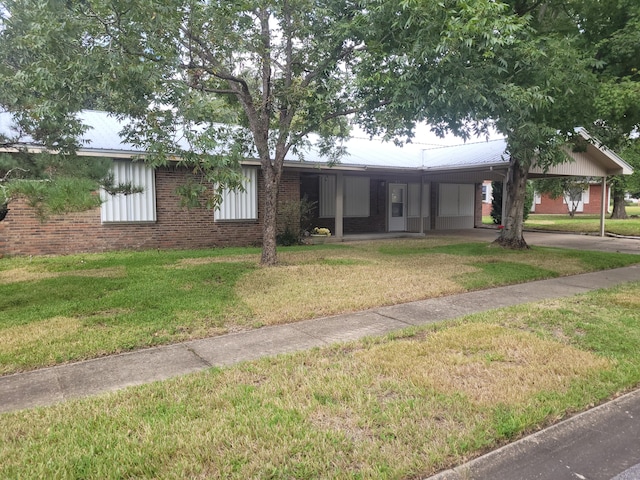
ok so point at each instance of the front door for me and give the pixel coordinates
(397, 207)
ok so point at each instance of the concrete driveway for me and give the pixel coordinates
(553, 239)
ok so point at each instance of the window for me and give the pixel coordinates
(487, 193)
(356, 196)
(134, 207)
(456, 200)
(238, 204)
(327, 203)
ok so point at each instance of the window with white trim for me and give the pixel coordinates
(240, 204)
(132, 207)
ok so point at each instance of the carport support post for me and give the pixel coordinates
(339, 205)
(504, 201)
(603, 204)
(421, 204)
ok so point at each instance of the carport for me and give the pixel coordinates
(439, 186)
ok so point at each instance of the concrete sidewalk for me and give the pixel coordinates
(51, 385)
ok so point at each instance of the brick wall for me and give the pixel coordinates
(21, 233)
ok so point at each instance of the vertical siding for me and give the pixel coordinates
(454, 223)
(241, 205)
(136, 207)
(413, 200)
(456, 206)
(413, 207)
(327, 200)
(356, 196)
(456, 200)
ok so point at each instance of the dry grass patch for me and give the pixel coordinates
(327, 286)
(191, 262)
(627, 299)
(566, 266)
(20, 339)
(488, 363)
(24, 274)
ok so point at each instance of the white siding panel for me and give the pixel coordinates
(448, 200)
(136, 207)
(241, 205)
(456, 200)
(581, 166)
(413, 200)
(327, 203)
(426, 200)
(466, 200)
(454, 223)
(356, 196)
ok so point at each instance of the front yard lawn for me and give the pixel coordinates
(60, 309)
(403, 406)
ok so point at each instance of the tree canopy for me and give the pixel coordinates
(214, 82)
(550, 67)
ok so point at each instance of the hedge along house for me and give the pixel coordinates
(377, 188)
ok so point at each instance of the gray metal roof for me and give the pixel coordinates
(426, 153)
(102, 137)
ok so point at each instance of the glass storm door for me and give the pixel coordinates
(397, 207)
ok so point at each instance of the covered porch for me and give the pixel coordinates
(379, 204)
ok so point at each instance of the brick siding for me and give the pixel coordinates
(21, 233)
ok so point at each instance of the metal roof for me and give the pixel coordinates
(423, 154)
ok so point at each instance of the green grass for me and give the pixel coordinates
(402, 406)
(582, 223)
(59, 309)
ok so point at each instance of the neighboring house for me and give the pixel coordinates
(376, 188)
(590, 203)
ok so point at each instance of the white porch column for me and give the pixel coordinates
(503, 217)
(339, 205)
(603, 204)
(421, 230)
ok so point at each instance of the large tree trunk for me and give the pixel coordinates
(513, 217)
(619, 208)
(270, 215)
